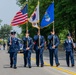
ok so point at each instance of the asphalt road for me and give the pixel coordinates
(46, 70)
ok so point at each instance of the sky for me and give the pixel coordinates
(8, 9)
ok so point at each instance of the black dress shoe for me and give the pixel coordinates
(24, 65)
(15, 67)
(51, 65)
(42, 65)
(37, 65)
(72, 65)
(57, 64)
(10, 66)
(68, 65)
(29, 66)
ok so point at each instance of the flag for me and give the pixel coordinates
(34, 18)
(48, 17)
(21, 17)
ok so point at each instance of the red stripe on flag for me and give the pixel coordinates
(22, 16)
(19, 21)
(14, 24)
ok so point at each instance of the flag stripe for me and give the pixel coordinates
(19, 22)
(19, 19)
(21, 16)
(22, 20)
(14, 24)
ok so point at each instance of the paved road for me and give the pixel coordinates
(46, 70)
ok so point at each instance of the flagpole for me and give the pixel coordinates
(39, 25)
(27, 24)
(53, 30)
(39, 36)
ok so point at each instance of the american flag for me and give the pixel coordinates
(21, 17)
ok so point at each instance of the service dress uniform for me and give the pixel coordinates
(13, 44)
(68, 46)
(27, 42)
(39, 48)
(53, 40)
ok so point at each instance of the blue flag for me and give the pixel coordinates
(48, 17)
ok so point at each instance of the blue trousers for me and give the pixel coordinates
(69, 54)
(13, 58)
(39, 56)
(27, 57)
(52, 53)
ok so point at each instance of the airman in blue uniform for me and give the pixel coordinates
(27, 49)
(13, 44)
(39, 48)
(69, 46)
(53, 47)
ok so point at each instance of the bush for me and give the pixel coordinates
(62, 35)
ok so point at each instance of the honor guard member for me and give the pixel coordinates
(68, 46)
(13, 44)
(27, 49)
(39, 48)
(53, 47)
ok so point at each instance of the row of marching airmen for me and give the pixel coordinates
(39, 42)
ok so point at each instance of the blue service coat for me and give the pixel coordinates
(14, 47)
(29, 41)
(68, 45)
(36, 41)
(56, 41)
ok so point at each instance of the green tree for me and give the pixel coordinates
(19, 35)
(5, 31)
(65, 11)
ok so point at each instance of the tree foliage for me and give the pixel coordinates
(65, 11)
(5, 31)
